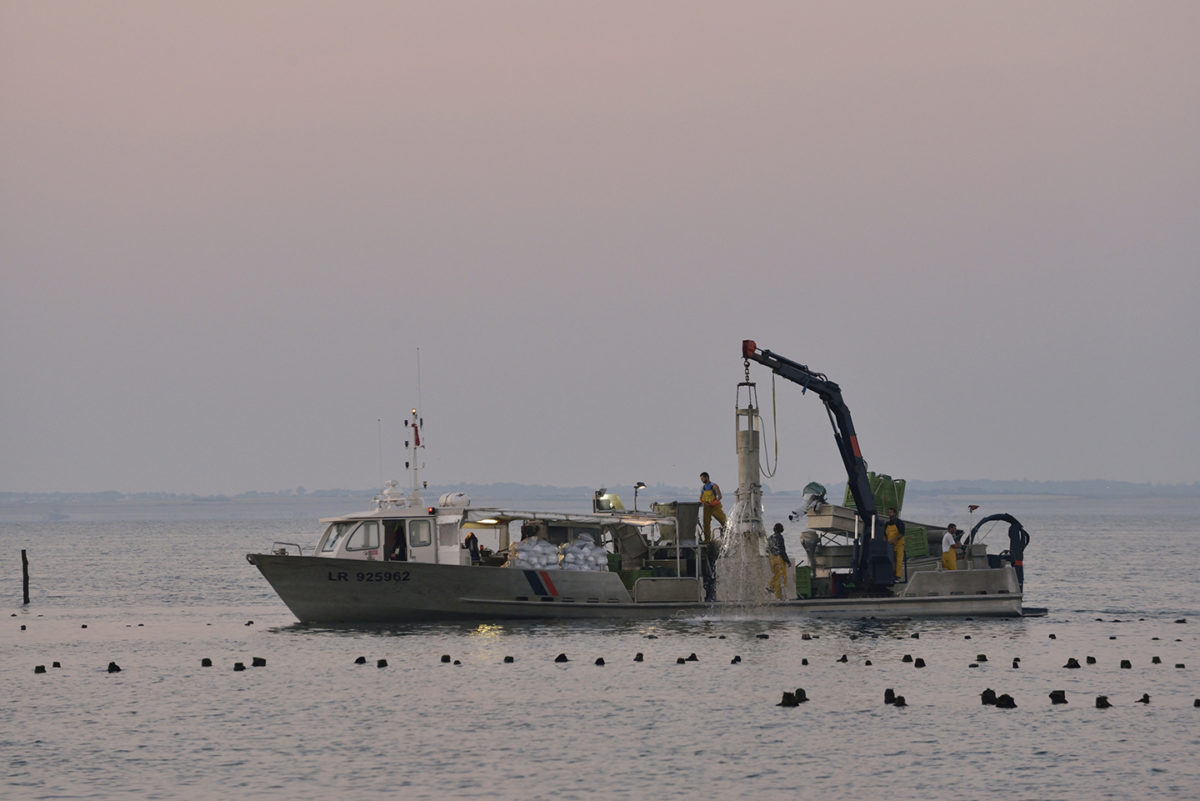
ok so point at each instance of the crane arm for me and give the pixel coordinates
(839, 415)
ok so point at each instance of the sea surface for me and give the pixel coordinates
(156, 589)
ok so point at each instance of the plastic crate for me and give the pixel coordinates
(804, 581)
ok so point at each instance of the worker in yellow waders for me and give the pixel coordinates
(710, 499)
(777, 553)
(950, 548)
(893, 529)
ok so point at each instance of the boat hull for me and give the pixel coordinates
(323, 590)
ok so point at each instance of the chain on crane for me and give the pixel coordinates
(766, 469)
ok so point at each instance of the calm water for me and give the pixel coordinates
(157, 596)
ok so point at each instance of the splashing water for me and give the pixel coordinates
(743, 570)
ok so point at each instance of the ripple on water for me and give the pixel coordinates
(311, 723)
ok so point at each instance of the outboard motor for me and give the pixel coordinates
(813, 496)
(809, 540)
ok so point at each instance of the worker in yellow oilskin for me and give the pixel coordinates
(710, 499)
(893, 529)
(950, 546)
(777, 553)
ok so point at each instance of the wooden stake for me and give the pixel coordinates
(25, 575)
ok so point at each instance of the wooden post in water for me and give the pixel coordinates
(25, 575)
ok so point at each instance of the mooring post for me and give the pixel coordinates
(25, 576)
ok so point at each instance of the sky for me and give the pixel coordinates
(240, 240)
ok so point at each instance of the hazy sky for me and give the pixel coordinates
(226, 228)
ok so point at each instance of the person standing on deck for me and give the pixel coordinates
(777, 553)
(893, 529)
(710, 499)
(950, 548)
(471, 543)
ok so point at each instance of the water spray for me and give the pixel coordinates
(743, 570)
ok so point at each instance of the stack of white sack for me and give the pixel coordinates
(583, 554)
(533, 554)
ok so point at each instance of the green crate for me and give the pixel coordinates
(885, 490)
(628, 577)
(804, 581)
(916, 543)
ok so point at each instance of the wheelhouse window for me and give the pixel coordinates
(447, 534)
(333, 536)
(365, 537)
(420, 532)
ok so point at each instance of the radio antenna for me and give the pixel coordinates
(418, 378)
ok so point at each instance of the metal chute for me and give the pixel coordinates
(1018, 540)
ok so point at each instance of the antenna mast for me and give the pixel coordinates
(416, 423)
(413, 466)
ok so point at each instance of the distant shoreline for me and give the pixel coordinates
(1096, 488)
(943, 497)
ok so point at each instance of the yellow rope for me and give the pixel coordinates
(769, 472)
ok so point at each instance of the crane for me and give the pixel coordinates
(843, 431)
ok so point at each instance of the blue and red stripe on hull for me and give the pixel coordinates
(540, 581)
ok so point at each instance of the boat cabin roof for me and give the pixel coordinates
(484, 516)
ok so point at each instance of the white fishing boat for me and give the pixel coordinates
(405, 560)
